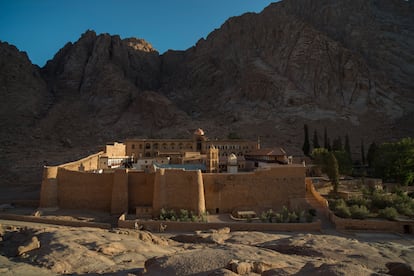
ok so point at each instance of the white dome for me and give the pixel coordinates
(199, 132)
(232, 159)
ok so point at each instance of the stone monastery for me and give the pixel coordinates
(142, 176)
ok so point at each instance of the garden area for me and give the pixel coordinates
(375, 204)
(288, 216)
(183, 216)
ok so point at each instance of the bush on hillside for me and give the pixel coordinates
(359, 211)
(388, 213)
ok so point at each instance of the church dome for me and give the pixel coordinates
(199, 132)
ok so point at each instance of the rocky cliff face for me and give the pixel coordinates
(346, 65)
(282, 59)
(23, 92)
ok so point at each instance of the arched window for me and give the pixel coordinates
(155, 146)
(164, 146)
(180, 145)
(172, 146)
(147, 145)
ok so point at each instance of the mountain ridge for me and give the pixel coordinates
(344, 65)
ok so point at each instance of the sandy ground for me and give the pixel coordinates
(67, 250)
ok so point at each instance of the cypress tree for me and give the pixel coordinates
(347, 146)
(315, 140)
(306, 145)
(371, 154)
(332, 171)
(362, 152)
(337, 144)
(326, 143)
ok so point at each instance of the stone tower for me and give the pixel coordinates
(212, 160)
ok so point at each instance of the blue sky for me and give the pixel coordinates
(42, 27)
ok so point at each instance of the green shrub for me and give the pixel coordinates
(388, 213)
(263, 217)
(183, 215)
(361, 201)
(293, 217)
(267, 216)
(359, 212)
(334, 203)
(278, 218)
(381, 200)
(405, 208)
(342, 211)
(285, 214)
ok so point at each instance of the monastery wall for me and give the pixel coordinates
(178, 189)
(88, 163)
(82, 190)
(258, 191)
(141, 189)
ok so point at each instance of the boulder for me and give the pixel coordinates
(33, 244)
(399, 269)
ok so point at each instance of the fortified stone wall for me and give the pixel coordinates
(267, 189)
(141, 189)
(48, 191)
(124, 190)
(178, 189)
(82, 190)
(88, 163)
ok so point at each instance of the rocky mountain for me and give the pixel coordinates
(345, 65)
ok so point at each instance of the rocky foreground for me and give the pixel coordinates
(50, 250)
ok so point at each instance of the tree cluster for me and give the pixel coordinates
(332, 160)
(393, 161)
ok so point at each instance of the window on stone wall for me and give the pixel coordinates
(133, 146)
(164, 146)
(172, 145)
(147, 145)
(155, 146)
(140, 146)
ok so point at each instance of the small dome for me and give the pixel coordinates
(199, 132)
(232, 159)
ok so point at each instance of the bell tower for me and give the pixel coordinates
(212, 160)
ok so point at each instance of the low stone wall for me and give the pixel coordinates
(403, 227)
(21, 203)
(55, 221)
(174, 226)
(357, 224)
